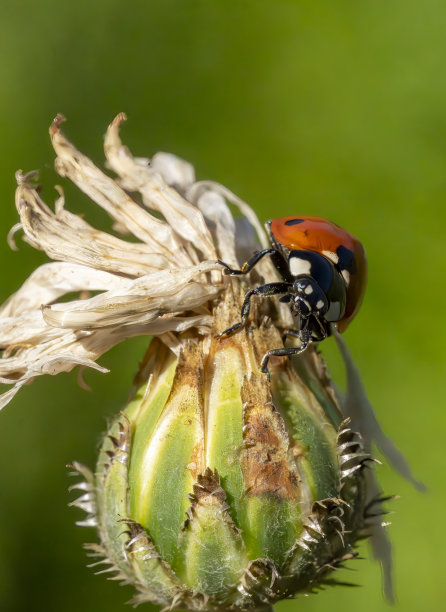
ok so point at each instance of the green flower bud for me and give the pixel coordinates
(217, 489)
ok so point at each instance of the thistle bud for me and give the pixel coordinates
(216, 489)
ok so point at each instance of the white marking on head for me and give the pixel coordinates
(331, 256)
(319, 304)
(308, 290)
(299, 266)
(346, 276)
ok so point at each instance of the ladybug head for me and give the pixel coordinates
(308, 299)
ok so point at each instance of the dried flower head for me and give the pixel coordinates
(214, 488)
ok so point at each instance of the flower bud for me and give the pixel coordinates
(216, 489)
(217, 486)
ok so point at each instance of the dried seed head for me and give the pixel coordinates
(214, 488)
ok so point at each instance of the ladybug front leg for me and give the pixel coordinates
(294, 333)
(263, 291)
(297, 333)
(276, 258)
(316, 331)
(282, 352)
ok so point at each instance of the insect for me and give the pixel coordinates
(324, 277)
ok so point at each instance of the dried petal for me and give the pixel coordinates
(157, 194)
(106, 192)
(140, 301)
(67, 237)
(51, 281)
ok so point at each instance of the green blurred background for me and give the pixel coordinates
(328, 108)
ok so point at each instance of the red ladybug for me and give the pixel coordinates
(324, 272)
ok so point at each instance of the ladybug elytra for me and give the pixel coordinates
(324, 272)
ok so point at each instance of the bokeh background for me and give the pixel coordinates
(328, 108)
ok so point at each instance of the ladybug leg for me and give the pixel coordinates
(282, 352)
(316, 335)
(323, 332)
(295, 333)
(263, 291)
(276, 257)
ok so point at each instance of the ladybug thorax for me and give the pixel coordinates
(317, 281)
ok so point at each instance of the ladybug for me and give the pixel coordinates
(324, 272)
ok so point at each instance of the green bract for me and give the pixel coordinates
(214, 489)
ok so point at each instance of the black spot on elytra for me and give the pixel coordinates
(346, 259)
(294, 221)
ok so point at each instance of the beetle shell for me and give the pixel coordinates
(318, 235)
